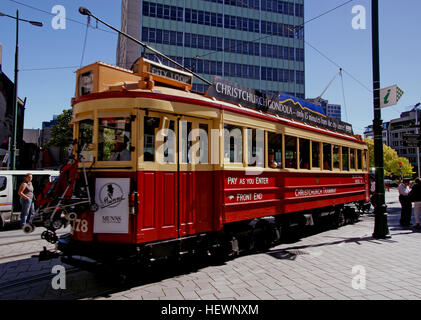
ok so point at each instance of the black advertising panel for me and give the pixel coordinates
(283, 105)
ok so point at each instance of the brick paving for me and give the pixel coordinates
(341, 264)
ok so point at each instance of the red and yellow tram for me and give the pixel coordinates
(176, 172)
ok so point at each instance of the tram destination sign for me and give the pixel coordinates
(283, 106)
(170, 73)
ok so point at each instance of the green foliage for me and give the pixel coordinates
(61, 132)
(391, 161)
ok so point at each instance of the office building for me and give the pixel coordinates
(256, 43)
(396, 133)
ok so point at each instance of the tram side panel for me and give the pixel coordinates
(197, 202)
(247, 197)
(157, 208)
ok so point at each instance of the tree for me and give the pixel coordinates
(393, 164)
(61, 132)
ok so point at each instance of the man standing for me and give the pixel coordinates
(406, 203)
(415, 196)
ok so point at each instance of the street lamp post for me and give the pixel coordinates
(15, 91)
(381, 229)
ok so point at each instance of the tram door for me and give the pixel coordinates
(175, 182)
(195, 177)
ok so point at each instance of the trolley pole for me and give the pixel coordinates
(381, 228)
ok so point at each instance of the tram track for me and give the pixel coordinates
(32, 279)
(20, 255)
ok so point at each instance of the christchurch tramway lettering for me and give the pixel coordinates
(314, 192)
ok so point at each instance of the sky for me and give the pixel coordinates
(59, 53)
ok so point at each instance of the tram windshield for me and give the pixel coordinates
(114, 139)
(85, 139)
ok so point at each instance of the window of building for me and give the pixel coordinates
(290, 152)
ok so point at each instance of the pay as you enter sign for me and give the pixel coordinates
(390, 96)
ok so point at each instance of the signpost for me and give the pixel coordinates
(390, 96)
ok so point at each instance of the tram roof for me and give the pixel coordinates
(108, 81)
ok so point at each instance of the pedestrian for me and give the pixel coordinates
(415, 196)
(26, 194)
(373, 194)
(406, 204)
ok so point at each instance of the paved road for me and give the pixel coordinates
(342, 264)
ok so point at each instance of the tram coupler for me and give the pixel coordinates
(46, 255)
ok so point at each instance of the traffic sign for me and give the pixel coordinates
(390, 96)
(411, 140)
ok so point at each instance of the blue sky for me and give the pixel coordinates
(50, 91)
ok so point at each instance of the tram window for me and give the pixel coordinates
(150, 126)
(359, 159)
(85, 139)
(336, 157)
(290, 152)
(255, 148)
(169, 144)
(114, 139)
(204, 143)
(304, 154)
(233, 144)
(327, 156)
(365, 160)
(315, 158)
(352, 158)
(186, 141)
(274, 150)
(345, 159)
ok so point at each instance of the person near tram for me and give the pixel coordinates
(415, 196)
(26, 194)
(121, 151)
(406, 204)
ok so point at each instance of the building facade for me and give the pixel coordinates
(396, 132)
(256, 43)
(7, 121)
(331, 110)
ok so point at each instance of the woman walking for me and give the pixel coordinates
(26, 194)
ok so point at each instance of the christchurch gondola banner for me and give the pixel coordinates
(283, 105)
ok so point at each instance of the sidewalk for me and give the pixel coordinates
(342, 264)
(324, 266)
